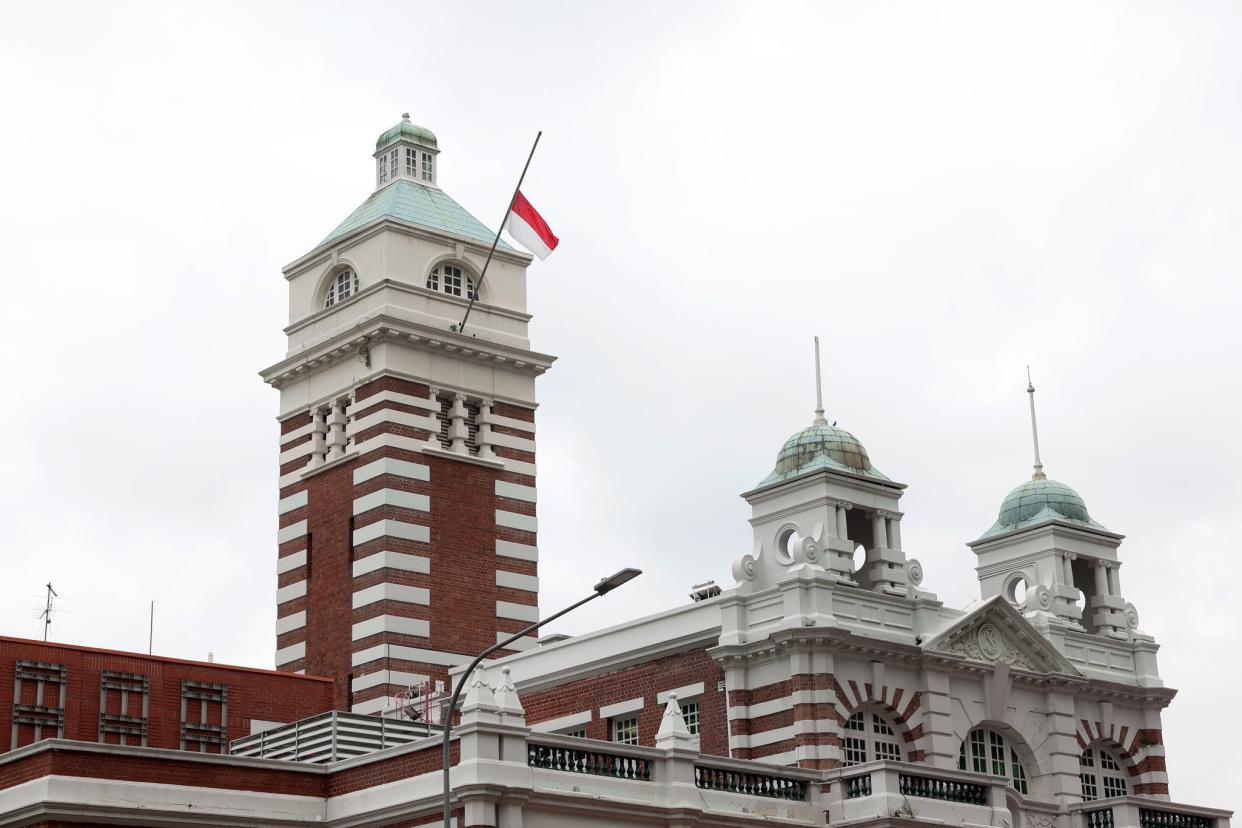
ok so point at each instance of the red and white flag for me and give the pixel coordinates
(528, 227)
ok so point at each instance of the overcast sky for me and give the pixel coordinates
(943, 193)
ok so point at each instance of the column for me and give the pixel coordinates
(842, 530)
(319, 430)
(1068, 560)
(457, 427)
(336, 422)
(1114, 585)
(485, 430)
(1101, 578)
(880, 535)
(894, 531)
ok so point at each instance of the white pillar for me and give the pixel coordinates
(894, 531)
(880, 536)
(1068, 559)
(1101, 578)
(319, 445)
(842, 530)
(1114, 585)
(457, 427)
(485, 430)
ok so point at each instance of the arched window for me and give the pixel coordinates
(1101, 774)
(449, 278)
(985, 751)
(869, 736)
(342, 286)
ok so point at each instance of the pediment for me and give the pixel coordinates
(996, 633)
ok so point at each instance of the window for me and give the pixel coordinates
(1101, 775)
(411, 162)
(868, 736)
(426, 166)
(580, 733)
(449, 279)
(393, 166)
(625, 731)
(343, 286)
(381, 170)
(690, 713)
(985, 751)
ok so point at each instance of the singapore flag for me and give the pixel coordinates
(528, 227)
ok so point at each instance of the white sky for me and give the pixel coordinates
(944, 193)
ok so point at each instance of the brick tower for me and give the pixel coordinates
(407, 449)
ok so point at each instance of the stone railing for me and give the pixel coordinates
(948, 790)
(1142, 812)
(750, 783)
(881, 789)
(588, 760)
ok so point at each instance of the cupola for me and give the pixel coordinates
(407, 151)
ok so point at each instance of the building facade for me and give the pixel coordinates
(826, 685)
(407, 447)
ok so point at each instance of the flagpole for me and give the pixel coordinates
(483, 275)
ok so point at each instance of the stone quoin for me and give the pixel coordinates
(826, 685)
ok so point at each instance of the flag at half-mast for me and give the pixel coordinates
(526, 225)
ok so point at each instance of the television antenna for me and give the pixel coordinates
(46, 615)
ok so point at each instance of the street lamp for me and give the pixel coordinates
(604, 587)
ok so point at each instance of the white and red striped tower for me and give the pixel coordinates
(407, 539)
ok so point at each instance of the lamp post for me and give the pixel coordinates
(602, 588)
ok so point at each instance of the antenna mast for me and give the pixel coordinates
(1039, 467)
(819, 389)
(46, 615)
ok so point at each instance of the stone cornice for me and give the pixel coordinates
(384, 327)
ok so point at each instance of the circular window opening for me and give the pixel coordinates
(860, 557)
(1015, 591)
(786, 543)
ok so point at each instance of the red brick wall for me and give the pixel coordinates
(252, 694)
(329, 587)
(647, 680)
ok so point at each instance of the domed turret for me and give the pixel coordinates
(1040, 500)
(805, 448)
(406, 131)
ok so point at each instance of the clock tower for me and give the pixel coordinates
(407, 527)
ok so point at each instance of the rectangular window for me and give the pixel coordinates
(411, 162)
(978, 752)
(1114, 786)
(888, 750)
(394, 166)
(625, 731)
(426, 166)
(580, 733)
(690, 713)
(855, 750)
(998, 754)
(1088, 786)
(381, 170)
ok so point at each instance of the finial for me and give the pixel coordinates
(819, 390)
(405, 116)
(1039, 467)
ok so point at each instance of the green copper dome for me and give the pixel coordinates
(822, 447)
(409, 132)
(1039, 501)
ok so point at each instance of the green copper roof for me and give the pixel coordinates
(408, 131)
(1040, 501)
(822, 447)
(417, 204)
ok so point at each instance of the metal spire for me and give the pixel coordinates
(819, 390)
(1039, 467)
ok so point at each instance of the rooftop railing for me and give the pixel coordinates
(329, 737)
(1142, 812)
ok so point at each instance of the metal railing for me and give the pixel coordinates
(588, 761)
(930, 787)
(753, 784)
